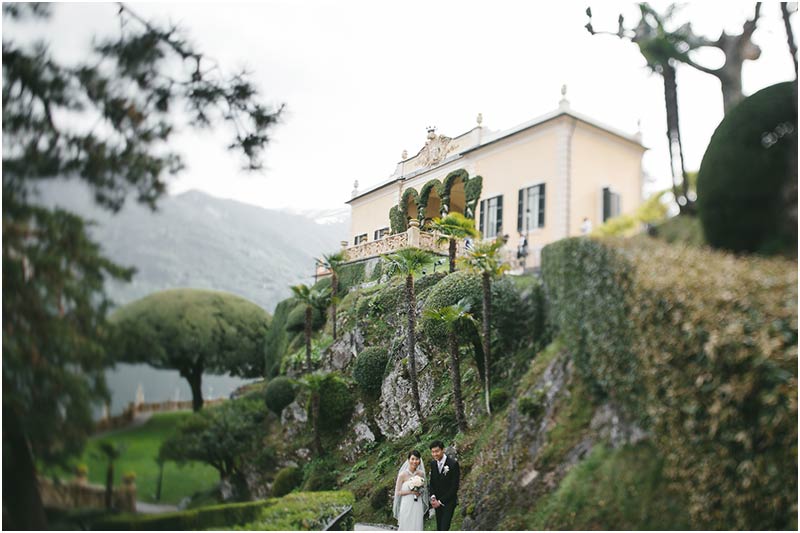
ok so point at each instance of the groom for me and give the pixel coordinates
(443, 483)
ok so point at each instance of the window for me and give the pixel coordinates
(360, 239)
(611, 203)
(380, 233)
(491, 220)
(530, 210)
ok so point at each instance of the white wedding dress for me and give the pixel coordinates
(410, 513)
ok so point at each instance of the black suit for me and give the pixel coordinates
(445, 488)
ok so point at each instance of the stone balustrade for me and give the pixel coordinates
(413, 237)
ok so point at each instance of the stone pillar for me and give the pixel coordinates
(413, 233)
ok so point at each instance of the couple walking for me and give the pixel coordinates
(415, 493)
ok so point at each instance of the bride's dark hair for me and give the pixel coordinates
(416, 454)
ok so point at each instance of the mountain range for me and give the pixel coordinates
(201, 241)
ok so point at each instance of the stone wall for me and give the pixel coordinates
(79, 494)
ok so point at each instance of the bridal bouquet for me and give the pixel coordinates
(416, 483)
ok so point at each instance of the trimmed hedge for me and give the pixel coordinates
(369, 368)
(296, 319)
(286, 480)
(298, 511)
(703, 346)
(747, 182)
(280, 392)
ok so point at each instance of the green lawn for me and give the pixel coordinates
(142, 444)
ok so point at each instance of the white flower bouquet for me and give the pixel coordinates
(416, 483)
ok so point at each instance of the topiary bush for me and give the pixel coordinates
(498, 398)
(747, 183)
(369, 369)
(704, 344)
(286, 481)
(280, 392)
(336, 404)
(296, 319)
(510, 314)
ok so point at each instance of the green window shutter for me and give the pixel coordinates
(482, 217)
(541, 205)
(499, 214)
(520, 210)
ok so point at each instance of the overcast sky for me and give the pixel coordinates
(362, 80)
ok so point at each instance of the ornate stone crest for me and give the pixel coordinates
(436, 149)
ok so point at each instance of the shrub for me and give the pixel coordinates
(388, 299)
(498, 398)
(429, 280)
(286, 481)
(296, 319)
(336, 404)
(704, 344)
(280, 393)
(379, 499)
(531, 406)
(510, 315)
(350, 276)
(747, 183)
(320, 475)
(377, 271)
(369, 369)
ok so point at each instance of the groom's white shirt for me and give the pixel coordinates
(440, 464)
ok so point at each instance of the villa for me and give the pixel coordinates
(541, 180)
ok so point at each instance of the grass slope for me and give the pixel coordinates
(142, 444)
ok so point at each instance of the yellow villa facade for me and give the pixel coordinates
(539, 181)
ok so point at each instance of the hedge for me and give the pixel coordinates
(369, 368)
(298, 511)
(702, 347)
(351, 276)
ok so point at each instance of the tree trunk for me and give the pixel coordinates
(680, 181)
(24, 503)
(160, 480)
(455, 377)
(334, 292)
(411, 311)
(452, 255)
(487, 358)
(307, 331)
(109, 483)
(195, 379)
(315, 412)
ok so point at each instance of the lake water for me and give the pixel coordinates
(161, 385)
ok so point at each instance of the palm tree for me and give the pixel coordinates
(313, 299)
(110, 452)
(406, 263)
(453, 318)
(334, 262)
(485, 259)
(451, 227)
(314, 382)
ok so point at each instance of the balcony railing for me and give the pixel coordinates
(412, 237)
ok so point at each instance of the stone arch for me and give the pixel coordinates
(454, 191)
(430, 201)
(409, 204)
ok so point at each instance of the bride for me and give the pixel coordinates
(411, 494)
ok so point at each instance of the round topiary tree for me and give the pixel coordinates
(369, 368)
(336, 404)
(194, 332)
(747, 183)
(286, 481)
(280, 392)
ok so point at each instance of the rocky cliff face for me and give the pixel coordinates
(532, 454)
